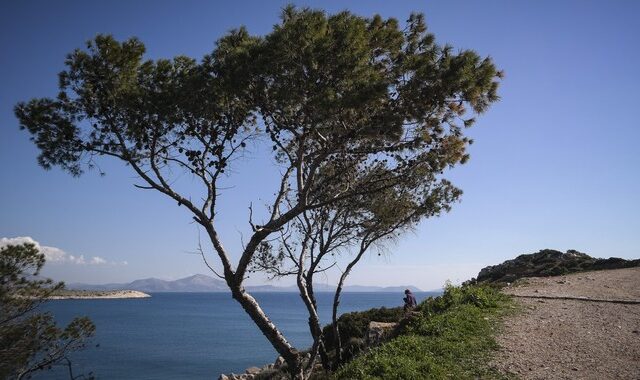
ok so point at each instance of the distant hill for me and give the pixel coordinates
(195, 283)
(332, 288)
(203, 283)
(549, 262)
(386, 289)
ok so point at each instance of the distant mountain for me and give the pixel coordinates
(332, 288)
(202, 283)
(195, 283)
(386, 289)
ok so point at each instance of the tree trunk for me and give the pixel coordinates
(314, 321)
(334, 320)
(270, 331)
(324, 357)
(336, 300)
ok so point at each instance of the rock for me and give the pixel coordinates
(379, 332)
(549, 262)
(253, 370)
(223, 377)
(279, 362)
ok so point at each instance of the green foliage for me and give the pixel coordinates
(479, 296)
(354, 325)
(29, 340)
(344, 92)
(351, 106)
(357, 111)
(451, 337)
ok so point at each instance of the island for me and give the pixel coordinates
(97, 294)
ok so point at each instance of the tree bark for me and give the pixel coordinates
(270, 331)
(334, 320)
(324, 357)
(314, 322)
(336, 300)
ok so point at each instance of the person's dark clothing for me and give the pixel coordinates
(409, 301)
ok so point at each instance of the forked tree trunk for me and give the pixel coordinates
(314, 323)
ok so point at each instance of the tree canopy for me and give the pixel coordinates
(352, 108)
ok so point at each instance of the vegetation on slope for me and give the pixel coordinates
(353, 328)
(449, 337)
(549, 262)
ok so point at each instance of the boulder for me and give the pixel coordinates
(379, 332)
(253, 370)
(279, 362)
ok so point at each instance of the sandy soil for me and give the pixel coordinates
(102, 294)
(574, 339)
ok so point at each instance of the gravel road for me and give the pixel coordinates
(574, 339)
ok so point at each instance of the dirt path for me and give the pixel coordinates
(574, 339)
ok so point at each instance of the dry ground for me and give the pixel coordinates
(574, 339)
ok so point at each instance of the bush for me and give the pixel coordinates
(354, 325)
(483, 296)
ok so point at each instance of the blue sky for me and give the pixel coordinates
(554, 164)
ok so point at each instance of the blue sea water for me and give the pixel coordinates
(192, 335)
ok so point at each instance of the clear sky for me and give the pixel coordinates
(554, 164)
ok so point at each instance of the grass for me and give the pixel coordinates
(451, 337)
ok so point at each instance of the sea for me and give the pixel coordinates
(192, 335)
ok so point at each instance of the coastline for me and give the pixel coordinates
(98, 294)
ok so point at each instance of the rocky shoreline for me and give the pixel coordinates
(250, 373)
(102, 294)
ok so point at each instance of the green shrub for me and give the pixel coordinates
(483, 296)
(354, 325)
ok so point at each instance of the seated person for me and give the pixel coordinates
(409, 301)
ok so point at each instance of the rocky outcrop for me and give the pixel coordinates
(549, 262)
(269, 371)
(379, 332)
